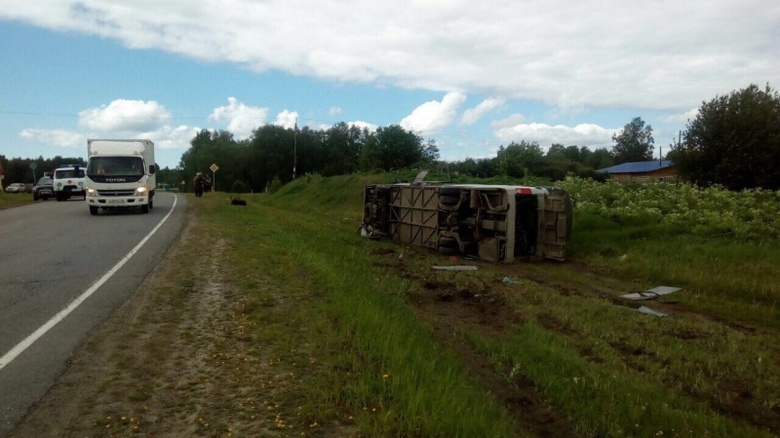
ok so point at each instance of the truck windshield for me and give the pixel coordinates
(60, 174)
(116, 166)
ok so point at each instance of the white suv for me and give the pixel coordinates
(69, 181)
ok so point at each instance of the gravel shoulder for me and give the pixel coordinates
(172, 361)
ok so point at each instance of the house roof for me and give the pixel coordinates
(637, 167)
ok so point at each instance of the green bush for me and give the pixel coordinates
(239, 187)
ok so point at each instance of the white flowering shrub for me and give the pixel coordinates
(751, 215)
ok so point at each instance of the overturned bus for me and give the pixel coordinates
(490, 222)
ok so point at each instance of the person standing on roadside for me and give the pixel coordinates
(198, 182)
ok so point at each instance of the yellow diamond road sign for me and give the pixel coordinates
(213, 167)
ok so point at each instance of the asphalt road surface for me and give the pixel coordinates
(62, 272)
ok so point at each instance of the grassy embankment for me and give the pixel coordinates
(8, 200)
(364, 356)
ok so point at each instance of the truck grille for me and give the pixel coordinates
(110, 193)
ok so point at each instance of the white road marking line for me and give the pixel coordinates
(29, 340)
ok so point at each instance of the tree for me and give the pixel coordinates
(734, 141)
(341, 146)
(519, 160)
(634, 142)
(556, 152)
(391, 148)
(598, 159)
(430, 153)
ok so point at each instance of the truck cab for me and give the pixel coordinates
(120, 174)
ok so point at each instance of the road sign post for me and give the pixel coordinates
(214, 169)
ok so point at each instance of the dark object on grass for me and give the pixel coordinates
(236, 201)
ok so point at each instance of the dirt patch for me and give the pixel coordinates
(175, 360)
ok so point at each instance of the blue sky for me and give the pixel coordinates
(471, 75)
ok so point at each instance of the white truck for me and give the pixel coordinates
(498, 223)
(69, 180)
(120, 174)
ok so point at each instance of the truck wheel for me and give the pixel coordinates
(145, 209)
(35, 196)
(447, 251)
(93, 210)
(448, 246)
(449, 200)
(450, 191)
(448, 242)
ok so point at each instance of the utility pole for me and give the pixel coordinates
(295, 146)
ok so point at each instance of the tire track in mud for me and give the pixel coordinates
(452, 312)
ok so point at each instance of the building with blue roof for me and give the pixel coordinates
(642, 171)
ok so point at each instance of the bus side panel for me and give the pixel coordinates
(414, 215)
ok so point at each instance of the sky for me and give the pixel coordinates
(471, 75)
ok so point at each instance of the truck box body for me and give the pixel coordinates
(120, 174)
(492, 222)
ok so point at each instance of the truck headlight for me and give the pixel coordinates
(91, 192)
(59, 184)
(141, 191)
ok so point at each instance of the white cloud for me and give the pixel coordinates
(55, 137)
(431, 117)
(364, 125)
(683, 117)
(286, 119)
(173, 137)
(358, 123)
(472, 115)
(591, 53)
(514, 119)
(118, 119)
(546, 135)
(240, 119)
(125, 116)
(334, 111)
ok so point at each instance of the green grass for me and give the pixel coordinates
(735, 279)
(341, 321)
(8, 200)
(375, 362)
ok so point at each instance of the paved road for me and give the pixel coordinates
(52, 255)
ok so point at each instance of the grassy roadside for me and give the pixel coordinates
(276, 319)
(613, 372)
(367, 359)
(9, 200)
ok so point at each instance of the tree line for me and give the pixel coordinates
(29, 170)
(275, 155)
(733, 141)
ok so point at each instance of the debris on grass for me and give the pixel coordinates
(649, 311)
(650, 294)
(455, 268)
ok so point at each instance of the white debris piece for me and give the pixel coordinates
(650, 293)
(649, 311)
(455, 268)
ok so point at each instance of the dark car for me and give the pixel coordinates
(43, 189)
